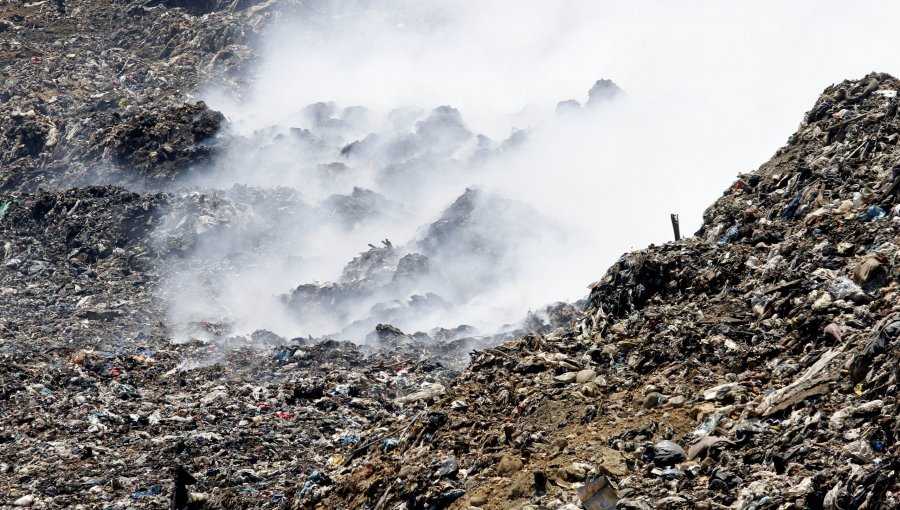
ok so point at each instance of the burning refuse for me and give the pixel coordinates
(353, 274)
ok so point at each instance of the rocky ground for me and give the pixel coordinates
(752, 365)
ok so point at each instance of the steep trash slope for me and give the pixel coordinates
(765, 348)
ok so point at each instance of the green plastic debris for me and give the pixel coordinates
(4, 208)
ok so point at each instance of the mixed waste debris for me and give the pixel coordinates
(750, 366)
(101, 86)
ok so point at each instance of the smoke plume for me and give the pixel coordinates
(444, 163)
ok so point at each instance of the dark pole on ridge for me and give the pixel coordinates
(675, 227)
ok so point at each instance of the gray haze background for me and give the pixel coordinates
(712, 89)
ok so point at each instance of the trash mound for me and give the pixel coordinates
(201, 7)
(107, 410)
(161, 145)
(77, 267)
(361, 206)
(84, 77)
(459, 256)
(751, 366)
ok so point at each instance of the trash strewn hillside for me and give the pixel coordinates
(750, 366)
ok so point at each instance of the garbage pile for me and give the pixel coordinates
(113, 428)
(77, 267)
(106, 411)
(468, 250)
(93, 87)
(751, 366)
(101, 93)
(279, 206)
(109, 406)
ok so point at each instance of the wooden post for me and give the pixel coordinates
(675, 227)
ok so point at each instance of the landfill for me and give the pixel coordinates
(749, 366)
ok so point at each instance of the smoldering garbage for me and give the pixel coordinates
(750, 366)
(779, 360)
(79, 273)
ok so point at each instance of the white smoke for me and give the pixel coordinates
(712, 89)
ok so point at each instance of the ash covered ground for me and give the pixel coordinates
(344, 306)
